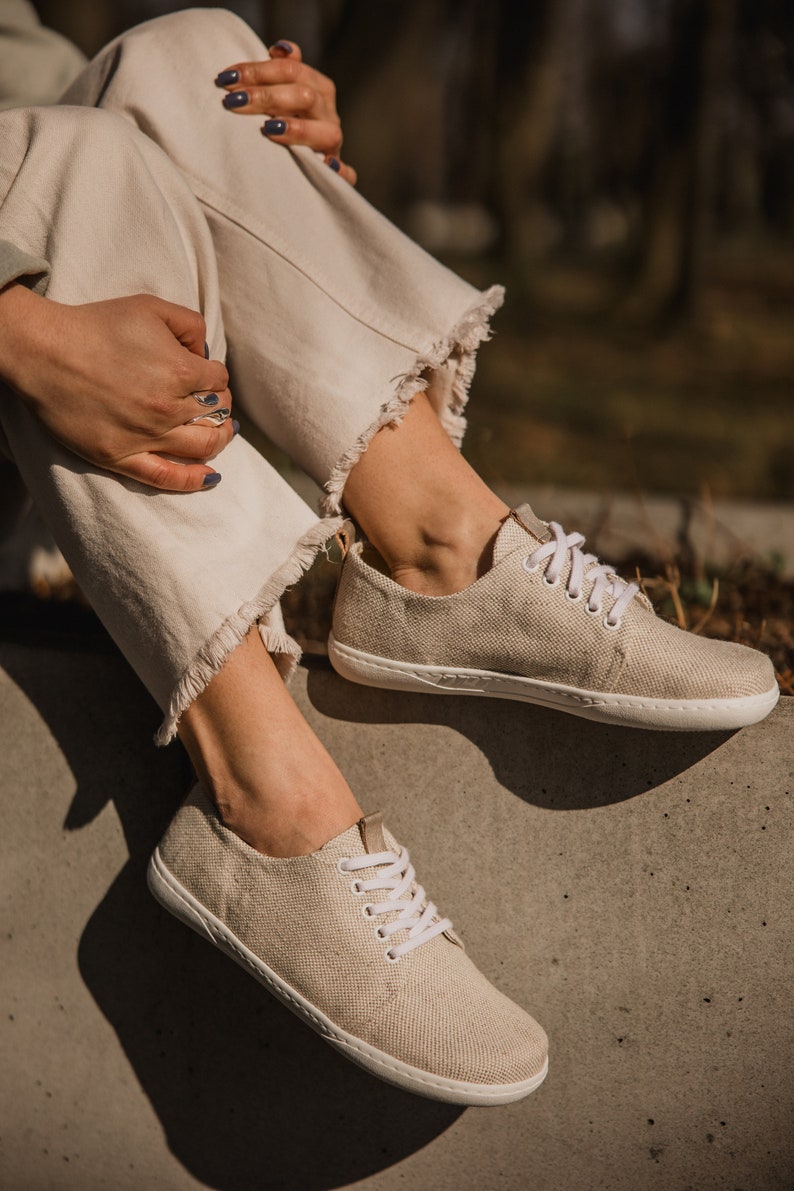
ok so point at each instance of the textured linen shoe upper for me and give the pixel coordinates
(347, 939)
(548, 624)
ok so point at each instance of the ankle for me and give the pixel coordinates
(450, 551)
(287, 823)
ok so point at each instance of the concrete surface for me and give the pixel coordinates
(632, 889)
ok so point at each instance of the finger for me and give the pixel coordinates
(184, 324)
(339, 167)
(202, 440)
(281, 99)
(321, 135)
(156, 472)
(285, 49)
(197, 381)
(273, 72)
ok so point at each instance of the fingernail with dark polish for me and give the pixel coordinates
(206, 351)
(210, 399)
(334, 164)
(274, 127)
(211, 479)
(235, 427)
(227, 78)
(283, 45)
(236, 99)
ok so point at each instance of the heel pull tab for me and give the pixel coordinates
(372, 837)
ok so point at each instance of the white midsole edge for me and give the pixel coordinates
(661, 714)
(171, 894)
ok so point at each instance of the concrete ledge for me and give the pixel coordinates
(631, 889)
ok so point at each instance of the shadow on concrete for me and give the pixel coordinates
(535, 753)
(247, 1096)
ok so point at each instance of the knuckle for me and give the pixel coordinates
(305, 96)
(159, 408)
(183, 374)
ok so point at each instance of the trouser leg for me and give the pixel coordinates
(334, 318)
(178, 579)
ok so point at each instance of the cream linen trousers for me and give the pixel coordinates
(140, 182)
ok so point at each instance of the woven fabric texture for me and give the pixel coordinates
(512, 622)
(433, 1009)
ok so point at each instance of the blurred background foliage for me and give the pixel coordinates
(626, 167)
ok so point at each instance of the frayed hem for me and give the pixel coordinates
(278, 642)
(472, 330)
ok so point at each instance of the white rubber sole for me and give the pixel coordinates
(176, 899)
(666, 715)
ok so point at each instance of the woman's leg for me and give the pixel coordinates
(373, 321)
(342, 933)
(334, 318)
(271, 779)
(178, 579)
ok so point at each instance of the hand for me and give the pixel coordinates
(300, 102)
(113, 381)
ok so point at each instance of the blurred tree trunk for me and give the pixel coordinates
(533, 43)
(680, 207)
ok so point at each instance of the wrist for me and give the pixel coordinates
(22, 316)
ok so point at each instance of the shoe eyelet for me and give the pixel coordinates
(592, 611)
(355, 887)
(612, 625)
(367, 910)
(340, 865)
(392, 959)
(571, 598)
(379, 935)
(530, 568)
(551, 582)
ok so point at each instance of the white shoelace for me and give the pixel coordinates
(416, 913)
(584, 568)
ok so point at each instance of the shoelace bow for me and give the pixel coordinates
(584, 567)
(416, 914)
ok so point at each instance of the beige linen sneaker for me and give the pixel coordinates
(348, 941)
(550, 625)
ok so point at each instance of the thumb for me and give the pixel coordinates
(157, 472)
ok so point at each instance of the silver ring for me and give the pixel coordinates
(216, 416)
(209, 400)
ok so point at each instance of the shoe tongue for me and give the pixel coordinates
(513, 534)
(372, 837)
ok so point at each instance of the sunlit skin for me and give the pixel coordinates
(418, 501)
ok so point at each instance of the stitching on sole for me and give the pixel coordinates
(431, 679)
